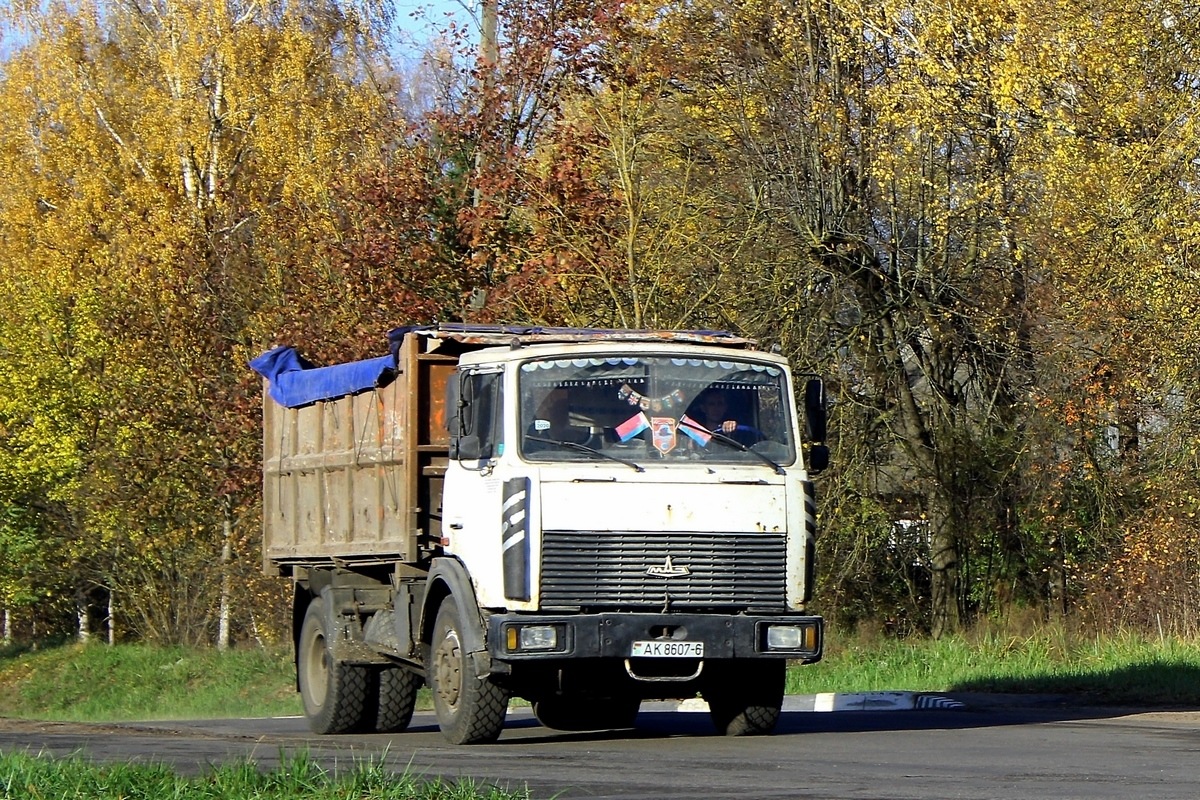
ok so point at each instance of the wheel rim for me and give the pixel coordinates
(448, 669)
(316, 669)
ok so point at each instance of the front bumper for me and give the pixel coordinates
(611, 635)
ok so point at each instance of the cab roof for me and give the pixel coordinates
(464, 336)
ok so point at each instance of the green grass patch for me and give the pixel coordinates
(1121, 668)
(298, 778)
(98, 683)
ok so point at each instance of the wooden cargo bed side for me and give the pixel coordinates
(357, 479)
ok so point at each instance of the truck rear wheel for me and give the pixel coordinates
(573, 714)
(745, 700)
(334, 693)
(396, 688)
(469, 709)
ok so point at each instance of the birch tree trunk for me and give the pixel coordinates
(83, 618)
(226, 557)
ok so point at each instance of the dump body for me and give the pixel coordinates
(356, 478)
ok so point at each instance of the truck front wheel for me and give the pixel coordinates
(469, 709)
(334, 693)
(745, 699)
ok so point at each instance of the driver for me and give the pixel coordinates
(711, 409)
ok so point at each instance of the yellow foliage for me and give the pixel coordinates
(164, 164)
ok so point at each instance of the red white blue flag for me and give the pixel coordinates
(633, 426)
(695, 430)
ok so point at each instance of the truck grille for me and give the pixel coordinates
(609, 569)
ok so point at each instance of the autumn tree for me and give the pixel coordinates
(151, 149)
(871, 139)
(629, 227)
(966, 205)
(977, 220)
(1116, 110)
(591, 198)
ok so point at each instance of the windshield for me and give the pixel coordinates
(654, 408)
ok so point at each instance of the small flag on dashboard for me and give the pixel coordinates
(632, 426)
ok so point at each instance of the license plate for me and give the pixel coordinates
(667, 649)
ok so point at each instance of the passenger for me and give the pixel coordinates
(553, 419)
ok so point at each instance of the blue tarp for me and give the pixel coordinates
(294, 383)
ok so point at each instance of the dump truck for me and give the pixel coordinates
(547, 514)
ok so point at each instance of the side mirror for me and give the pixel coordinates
(463, 446)
(465, 401)
(816, 413)
(453, 407)
(816, 422)
(466, 448)
(818, 458)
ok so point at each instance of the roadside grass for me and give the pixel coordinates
(1120, 668)
(297, 778)
(98, 683)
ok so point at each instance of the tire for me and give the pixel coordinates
(334, 693)
(570, 714)
(469, 710)
(395, 699)
(746, 700)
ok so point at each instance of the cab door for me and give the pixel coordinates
(473, 493)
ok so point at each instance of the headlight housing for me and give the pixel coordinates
(787, 637)
(539, 638)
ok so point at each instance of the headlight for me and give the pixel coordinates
(525, 638)
(791, 637)
(539, 637)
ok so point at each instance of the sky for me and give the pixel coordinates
(420, 20)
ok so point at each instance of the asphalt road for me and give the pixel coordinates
(992, 749)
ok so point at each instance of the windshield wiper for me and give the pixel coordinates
(583, 448)
(734, 443)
